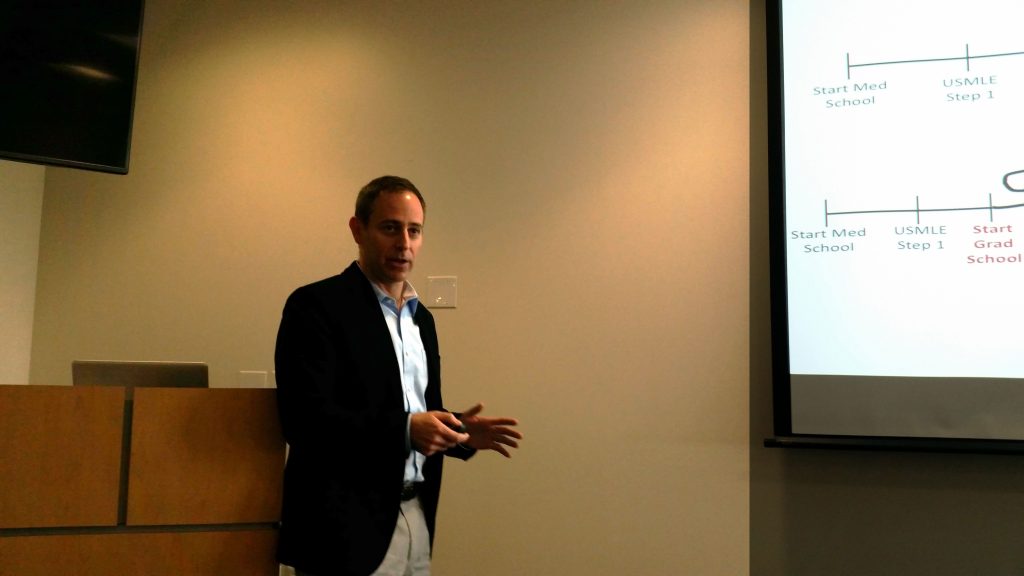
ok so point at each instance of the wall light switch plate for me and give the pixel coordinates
(442, 291)
(251, 379)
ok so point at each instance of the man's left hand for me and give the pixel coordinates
(490, 433)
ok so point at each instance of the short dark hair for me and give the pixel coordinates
(389, 184)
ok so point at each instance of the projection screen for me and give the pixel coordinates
(897, 215)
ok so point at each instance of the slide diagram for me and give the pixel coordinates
(1012, 181)
(965, 58)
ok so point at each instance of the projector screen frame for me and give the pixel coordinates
(784, 436)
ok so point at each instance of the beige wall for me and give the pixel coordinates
(21, 208)
(586, 170)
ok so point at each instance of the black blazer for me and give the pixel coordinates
(340, 401)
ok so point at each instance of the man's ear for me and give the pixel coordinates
(356, 226)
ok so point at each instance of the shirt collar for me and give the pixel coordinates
(409, 295)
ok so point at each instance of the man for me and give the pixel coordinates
(359, 397)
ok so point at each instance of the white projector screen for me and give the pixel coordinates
(897, 182)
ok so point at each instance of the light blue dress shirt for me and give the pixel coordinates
(412, 361)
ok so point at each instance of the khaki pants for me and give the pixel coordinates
(409, 551)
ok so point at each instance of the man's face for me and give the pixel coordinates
(388, 243)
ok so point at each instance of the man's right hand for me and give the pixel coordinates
(435, 431)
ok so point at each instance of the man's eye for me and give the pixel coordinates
(415, 232)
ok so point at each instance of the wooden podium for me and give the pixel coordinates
(192, 486)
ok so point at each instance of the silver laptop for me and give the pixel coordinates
(131, 374)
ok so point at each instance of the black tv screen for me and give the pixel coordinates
(69, 73)
(897, 222)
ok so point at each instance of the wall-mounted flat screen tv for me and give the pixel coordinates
(67, 81)
(897, 222)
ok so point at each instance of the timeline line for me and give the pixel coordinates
(966, 57)
(917, 210)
